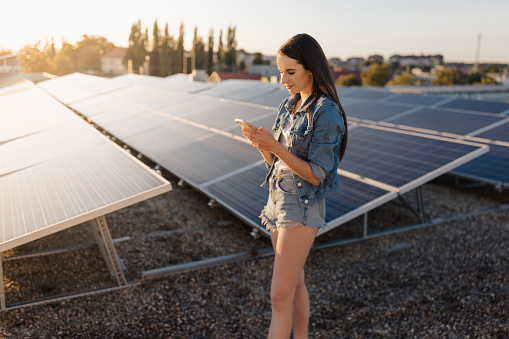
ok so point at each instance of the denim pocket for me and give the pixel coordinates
(287, 185)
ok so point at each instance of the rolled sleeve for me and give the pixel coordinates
(318, 172)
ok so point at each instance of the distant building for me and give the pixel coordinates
(376, 58)
(335, 62)
(244, 58)
(418, 60)
(113, 62)
(266, 71)
(198, 75)
(354, 62)
(10, 63)
(216, 77)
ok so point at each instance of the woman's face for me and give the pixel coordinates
(294, 76)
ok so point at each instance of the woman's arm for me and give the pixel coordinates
(269, 147)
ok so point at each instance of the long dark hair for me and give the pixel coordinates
(306, 50)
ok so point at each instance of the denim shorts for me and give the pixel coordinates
(284, 210)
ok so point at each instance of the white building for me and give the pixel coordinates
(418, 60)
(11, 63)
(266, 71)
(113, 62)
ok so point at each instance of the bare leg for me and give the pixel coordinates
(301, 309)
(291, 248)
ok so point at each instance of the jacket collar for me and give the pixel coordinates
(303, 108)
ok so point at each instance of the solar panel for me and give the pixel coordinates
(96, 105)
(416, 99)
(241, 90)
(117, 114)
(47, 145)
(446, 121)
(368, 94)
(499, 133)
(478, 106)
(56, 171)
(78, 86)
(270, 99)
(27, 119)
(180, 82)
(208, 159)
(54, 195)
(492, 167)
(198, 141)
(137, 123)
(164, 138)
(64, 92)
(18, 98)
(374, 111)
(399, 159)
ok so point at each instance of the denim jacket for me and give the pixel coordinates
(315, 136)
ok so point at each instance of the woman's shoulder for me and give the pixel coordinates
(326, 104)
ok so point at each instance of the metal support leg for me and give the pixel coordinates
(2, 287)
(420, 200)
(103, 238)
(365, 226)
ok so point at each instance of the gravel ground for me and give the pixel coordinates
(449, 280)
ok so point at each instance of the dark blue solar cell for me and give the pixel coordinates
(374, 111)
(492, 167)
(208, 158)
(397, 159)
(499, 133)
(242, 194)
(478, 106)
(354, 195)
(416, 99)
(368, 94)
(446, 121)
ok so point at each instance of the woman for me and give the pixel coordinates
(309, 140)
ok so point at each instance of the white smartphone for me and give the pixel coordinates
(243, 123)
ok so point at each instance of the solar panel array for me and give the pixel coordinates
(483, 122)
(190, 131)
(56, 171)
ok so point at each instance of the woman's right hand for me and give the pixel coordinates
(260, 138)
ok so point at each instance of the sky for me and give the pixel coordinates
(354, 28)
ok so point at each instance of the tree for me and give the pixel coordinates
(493, 68)
(167, 52)
(404, 79)
(198, 51)
(63, 61)
(488, 81)
(178, 61)
(348, 80)
(34, 59)
(136, 51)
(155, 53)
(88, 52)
(258, 59)
(49, 49)
(220, 52)
(378, 75)
(449, 76)
(210, 52)
(231, 50)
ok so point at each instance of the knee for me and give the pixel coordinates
(281, 300)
